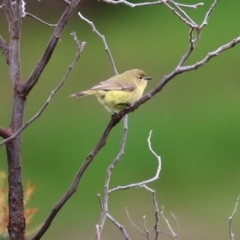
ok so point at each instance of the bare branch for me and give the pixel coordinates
(25, 14)
(182, 15)
(145, 228)
(141, 184)
(98, 235)
(8, 8)
(100, 200)
(80, 47)
(175, 72)
(192, 43)
(134, 225)
(205, 21)
(4, 46)
(143, 233)
(175, 236)
(176, 221)
(150, 3)
(16, 220)
(133, 4)
(33, 78)
(4, 133)
(230, 219)
(40, 20)
(195, 6)
(25, 88)
(116, 119)
(210, 55)
(104, 202)
(157, 218)
(121, 227)
(104, 42)
(38, 114)
(77, 178)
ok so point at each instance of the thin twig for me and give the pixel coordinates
(121, 227)
(142, 232)
(175, 236)
(182, 15)
(157, 218)
(195, 6)
(192, 44)
(38, 114)
(8, 8)
(207, 16)
(134, 225)
(133, 4)
(230, 219)
(177, 226)
(145, 228)
(100, 200)
(40, 20)
(4, 46)
(80, 47)
(141, 184)
(25, 14)
(104, 42)
(104, 202)
(193, 26)
(150, 3)
(58, 30)
(210, 55)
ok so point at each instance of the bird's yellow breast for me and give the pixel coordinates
(115, 101)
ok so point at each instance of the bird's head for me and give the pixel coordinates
(140, 77)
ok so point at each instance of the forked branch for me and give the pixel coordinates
(180, 68)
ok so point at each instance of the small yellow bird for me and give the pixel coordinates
(119, 91)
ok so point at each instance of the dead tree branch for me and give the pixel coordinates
(230, 219)
(104, 202)
(80, 47)
(103, 40)
(4, 46)
(116, 119)
(33, 78)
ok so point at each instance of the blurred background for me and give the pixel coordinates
(195, 120)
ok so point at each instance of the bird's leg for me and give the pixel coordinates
(113, 115)
(128, 105)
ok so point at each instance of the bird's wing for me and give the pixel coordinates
(114, 85)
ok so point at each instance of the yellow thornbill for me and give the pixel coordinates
(119, 91)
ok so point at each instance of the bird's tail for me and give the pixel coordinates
(83, 93)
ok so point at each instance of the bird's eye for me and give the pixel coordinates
(140, 77)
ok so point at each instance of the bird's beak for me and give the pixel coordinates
(147, 78)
